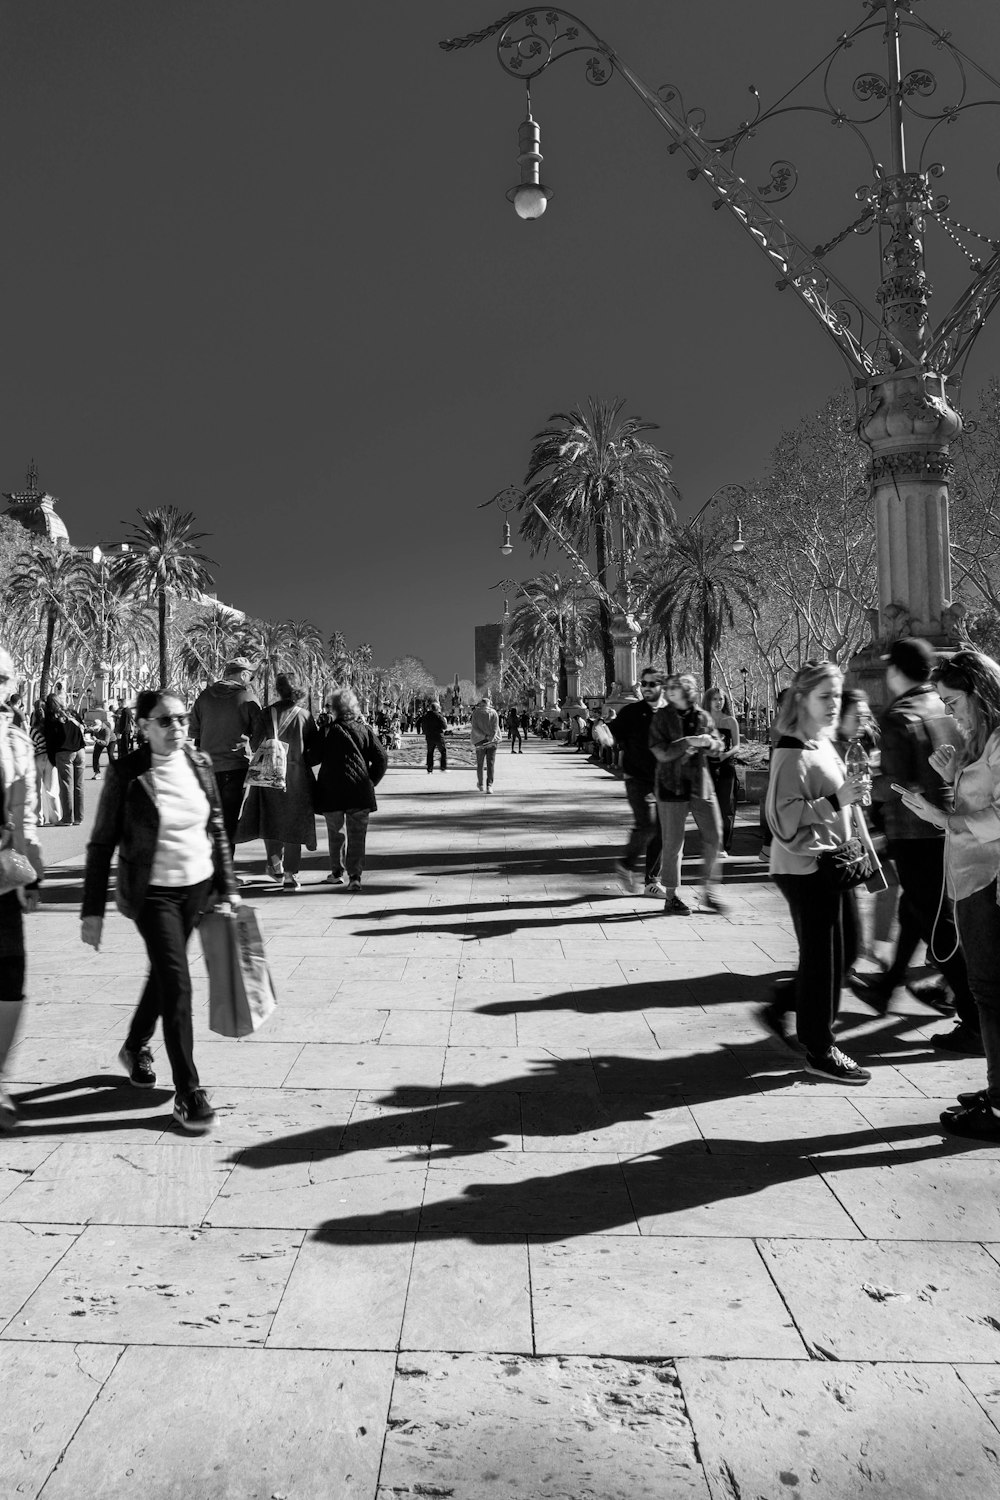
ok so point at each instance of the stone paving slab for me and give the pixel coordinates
(278, 1422)
(838, 1432)
(481, 1425)
(47, 1391)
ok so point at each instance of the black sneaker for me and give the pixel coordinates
(980, 1096)
(838, 1067)
(675, 907)
(139, 1066)
(978, 1121)
(934, 993)
(963, 1039)
(193, 1112)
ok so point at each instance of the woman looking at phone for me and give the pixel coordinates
(969, 684)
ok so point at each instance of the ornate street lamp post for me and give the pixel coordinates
(907, 369)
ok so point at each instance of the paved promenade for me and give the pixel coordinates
(511, 1198)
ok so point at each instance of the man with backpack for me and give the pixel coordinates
(224, 719)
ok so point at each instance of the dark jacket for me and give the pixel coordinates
(913, 726)
(681, 775)
(351, 764)
(63, 729)
(128, 820)
(630, 731)
(222, 715)
(433, 724)
(287, 817)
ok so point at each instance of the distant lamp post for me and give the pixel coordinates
(727, 496)
(505, 546)
(746, 700)
(530, 196)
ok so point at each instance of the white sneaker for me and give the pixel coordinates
(654, 888)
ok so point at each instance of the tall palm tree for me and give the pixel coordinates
(52, 586)
(164, 559)
(590, 472)
(214, 637)
(691, 595)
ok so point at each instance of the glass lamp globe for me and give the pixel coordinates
(530, 201)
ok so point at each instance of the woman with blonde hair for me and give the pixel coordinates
(351, 764)
(969, 684)
(808, 811)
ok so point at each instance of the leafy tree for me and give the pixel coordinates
(163, 560)
(272, 643)
(590, 472)
(555, 619)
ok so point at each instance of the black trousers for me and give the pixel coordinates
(438, 744)
(166, 920)
(11, 948)
(827, 938)
(231, 784)
(646, 837)
(725, 781)
(920, 867)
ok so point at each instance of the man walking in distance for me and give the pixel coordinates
(913, 726)
(432, 727)
(485, 725)
(224, 719)
(630, 729)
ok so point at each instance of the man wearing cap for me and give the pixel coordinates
(224, 720)
(913, 726)
(433, 726)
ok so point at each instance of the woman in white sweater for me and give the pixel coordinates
(160, 809)
(969, 684)
(808, 798)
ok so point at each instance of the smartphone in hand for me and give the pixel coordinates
(897, 788)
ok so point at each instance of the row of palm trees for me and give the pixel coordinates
(109, 617)
(593, 474)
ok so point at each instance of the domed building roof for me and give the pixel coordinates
(35, 510)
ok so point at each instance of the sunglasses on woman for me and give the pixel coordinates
(166, 720)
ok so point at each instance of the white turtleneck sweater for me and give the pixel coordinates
(183, 847)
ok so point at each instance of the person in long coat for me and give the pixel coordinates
(286, 821)
(351, 762)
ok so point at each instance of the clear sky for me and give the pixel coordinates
(257, 261)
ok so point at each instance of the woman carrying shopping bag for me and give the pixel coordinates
(160, 809)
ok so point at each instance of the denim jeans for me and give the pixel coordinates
(347, 832)
(166, 920)
(645, 838)
(978, 918)
(69, 765)
(486, 755)
(827, 939)
(920, 867)
(673, 816)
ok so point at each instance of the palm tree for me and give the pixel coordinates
(691, 595)
(273, 643)
(554, 617)
(53, 587)
(163, 559)
(588, 472)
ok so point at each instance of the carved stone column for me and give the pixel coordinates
(573, 669)
(551, 689)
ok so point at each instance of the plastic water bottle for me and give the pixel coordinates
(857, 764)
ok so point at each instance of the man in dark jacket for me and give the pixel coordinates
(630, 729)
(432, 727)
(351, 764)
(913, 726)
(224, 719)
